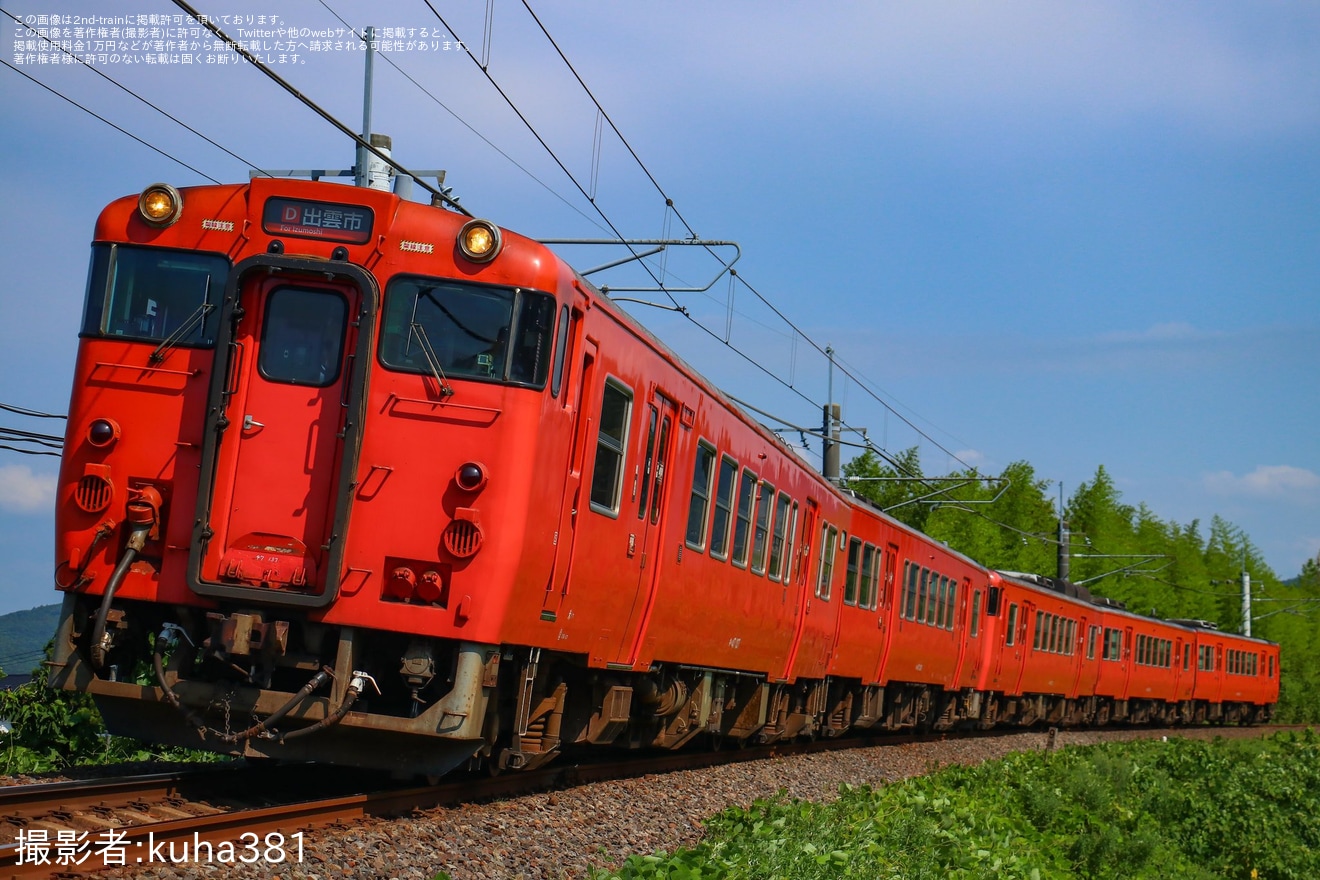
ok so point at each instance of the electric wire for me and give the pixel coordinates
(234, 46)
(463, 122)
(125, 88)
(109, 123)
(549, 151)
(31, 412)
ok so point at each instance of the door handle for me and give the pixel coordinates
(249, 423)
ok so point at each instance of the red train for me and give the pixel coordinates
(360, 480)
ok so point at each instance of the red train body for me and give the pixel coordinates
(336, 487)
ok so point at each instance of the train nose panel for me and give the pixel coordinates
(263, 560)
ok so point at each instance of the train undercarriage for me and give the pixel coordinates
(244, 682)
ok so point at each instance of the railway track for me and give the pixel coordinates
(261, 814)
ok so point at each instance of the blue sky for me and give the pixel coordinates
(1076, 234)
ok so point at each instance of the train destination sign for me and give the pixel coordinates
(324, 220)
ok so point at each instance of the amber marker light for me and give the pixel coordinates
(160, 205)
(479, 240)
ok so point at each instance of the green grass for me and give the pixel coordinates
(1180, 809)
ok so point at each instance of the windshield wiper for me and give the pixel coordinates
(194, 320)
(432, 362)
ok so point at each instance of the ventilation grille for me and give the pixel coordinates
(93, 493)
(463, 539)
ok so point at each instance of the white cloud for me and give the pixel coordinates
(22, 491)
(973, 457)
(1281, 481)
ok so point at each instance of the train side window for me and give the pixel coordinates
(606, 477)
(1010, 631)
(850, 581)
(761, 534)
(952, 607)
(1035, 640)
(923, 595)
(974, 628)
(868, 595)
(992, 602)
(1187, 656)
(913, 574)
(652, 422)
(828, 535)
(742, 527)
(703, 472)
(777, 538)
(936, 618)
(561, 352)
(867, 576)
(1091, 634)
(788, 543)
(719, 532)
(1271, 666)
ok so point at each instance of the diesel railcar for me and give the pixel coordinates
(355, 479)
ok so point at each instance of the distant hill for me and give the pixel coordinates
(23, 637)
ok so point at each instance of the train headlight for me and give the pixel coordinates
(479, 240)
(160, 205)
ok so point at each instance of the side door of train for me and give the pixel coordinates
(660, 419)
(816, 619)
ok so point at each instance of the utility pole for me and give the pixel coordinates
(829, 463)
(1065, 552)
(1246, 596)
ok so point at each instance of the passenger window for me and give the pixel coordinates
(828, 535)
(1010, 631)
(699, 505)
(850, 584)
(974, 627)
(777, 541)
(913, 572)
(868, 574)
(743, 526)
(606, 477)
(719, 533)
(762, 534)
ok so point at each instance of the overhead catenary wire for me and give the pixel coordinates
(125, 88)
(206, 22)
(146, 144)
(463, 122)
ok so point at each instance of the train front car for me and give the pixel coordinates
(307, 427)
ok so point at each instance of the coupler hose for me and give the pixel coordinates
(169, 637)
(355, 688)
(274, 718)
(143, 513)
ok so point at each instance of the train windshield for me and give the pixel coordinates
(468, 331)
(154, 294)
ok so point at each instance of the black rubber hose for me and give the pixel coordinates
(158, 663)
(333, 718)
(98, 631)
(274, 718)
